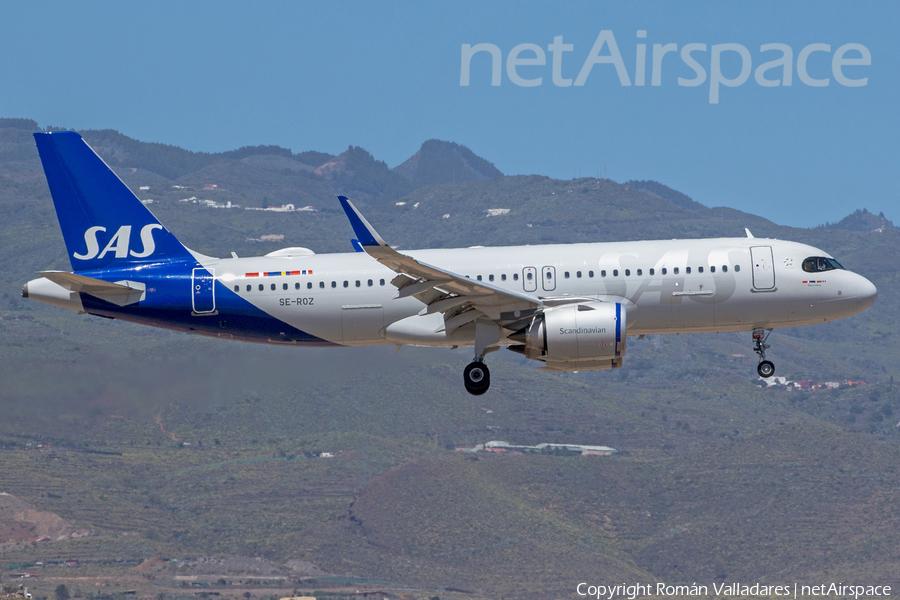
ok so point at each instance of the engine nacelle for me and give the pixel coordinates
(577, 337)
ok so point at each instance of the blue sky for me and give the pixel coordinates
(215, 76)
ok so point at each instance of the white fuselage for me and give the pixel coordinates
(670, 286)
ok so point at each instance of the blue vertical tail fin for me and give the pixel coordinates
(103, 223)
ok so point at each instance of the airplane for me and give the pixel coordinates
(568, 306)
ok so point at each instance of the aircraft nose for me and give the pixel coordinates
(866, 292)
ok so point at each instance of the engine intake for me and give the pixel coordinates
(577, 337)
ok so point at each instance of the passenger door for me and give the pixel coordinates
(203, 295)
(763, 267)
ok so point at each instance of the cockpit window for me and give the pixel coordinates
(816, 264)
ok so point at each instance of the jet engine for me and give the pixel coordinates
(576, 337)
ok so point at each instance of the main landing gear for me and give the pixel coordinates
(477, 377)
(765, 368)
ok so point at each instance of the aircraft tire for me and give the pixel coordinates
(766, 368)
(477, 378)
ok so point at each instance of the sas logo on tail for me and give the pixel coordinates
(120, 243)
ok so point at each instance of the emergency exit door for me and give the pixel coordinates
(529, 279)
(548, 278)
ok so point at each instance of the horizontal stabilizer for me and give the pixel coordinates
(120, 293)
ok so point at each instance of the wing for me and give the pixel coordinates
(461, 300)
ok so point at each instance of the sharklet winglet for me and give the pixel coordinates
(365, 233)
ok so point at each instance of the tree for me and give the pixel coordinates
(62, 592)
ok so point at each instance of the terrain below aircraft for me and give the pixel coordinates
(569, 306)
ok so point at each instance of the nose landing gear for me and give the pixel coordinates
(765, 368)
(477, 377)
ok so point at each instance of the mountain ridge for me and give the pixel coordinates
(355, 172)
(438, 162)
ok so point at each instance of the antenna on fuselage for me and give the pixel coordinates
(749, 235)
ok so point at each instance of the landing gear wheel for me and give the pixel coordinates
(765, 367)
(477, 378)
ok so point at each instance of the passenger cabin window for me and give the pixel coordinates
(640, 272)
(346, 283)
(261, 287)
(578, 274)
(566, 275)
(712, 269)
(627, 272)
(273, 287)
(358, 283)
(687, 270)
(284, 286)
(615, 272)
(590, 273)
(370, 283)
(309, 285)
(478, 277)
(675, 271)
(664, 271)
(603, 273)
(334, 284)
(249, 287)
(503, 277)
(737, 267)
(724, 268)
(529, 276)
(817, 264)
(515, 276)
(321, 285)
(652, 272)
(297, 285)
(491, 277)
(699, 269)
(237, 288)
(382, 282)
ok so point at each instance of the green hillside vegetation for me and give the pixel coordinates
(786, 499)
(663, 191)
(717, 477)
